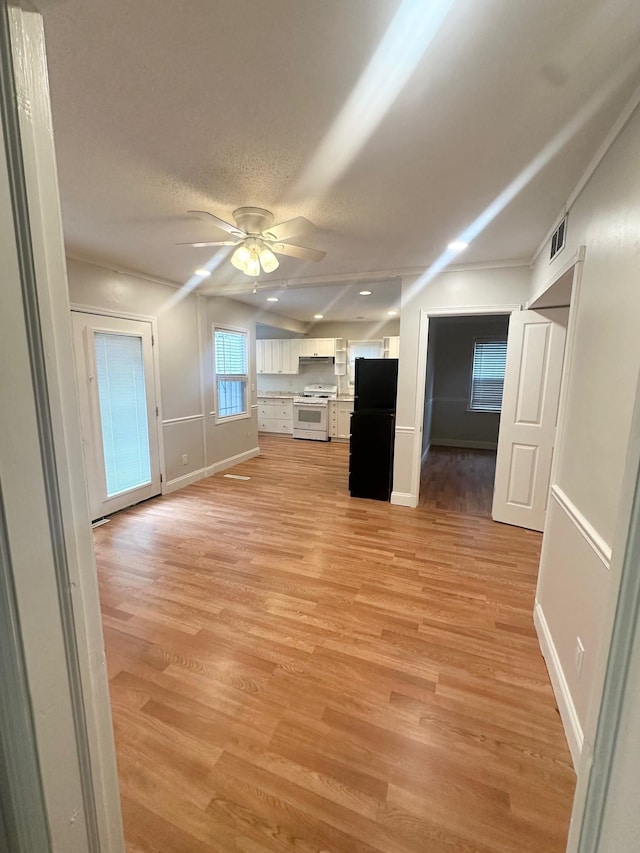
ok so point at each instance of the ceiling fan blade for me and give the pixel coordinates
(301, 252)
(200, 243)
(226, 226)
(298, 227)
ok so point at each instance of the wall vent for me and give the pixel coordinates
(559, 238)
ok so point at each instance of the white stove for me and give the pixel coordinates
(310, 410)
(317, 393)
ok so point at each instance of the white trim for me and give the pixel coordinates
(472, 310)
(255, 405)
(404, 499)
(405, 430)
(577, 258)
(108, 312)
(186, 418)
(423, 341)
(463, 442)
(598, 545)
(184, 480)
(610, 138)
(568, 713)
(232, 460)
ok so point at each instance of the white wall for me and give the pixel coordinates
(356, 330)
(457, 289)
(453, 423)
(578, 572)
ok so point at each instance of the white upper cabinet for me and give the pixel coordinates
(314, 347)
(277, 356)
(391, 347)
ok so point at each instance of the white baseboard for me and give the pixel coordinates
(185, 480)
(232, 460)
(404, 499)
(570, 721)
(474, 445)
(425, 453)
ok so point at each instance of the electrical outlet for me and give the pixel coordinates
(185, 458)
(579, 656)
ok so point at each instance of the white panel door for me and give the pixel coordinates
(114, 364)
(533, 374)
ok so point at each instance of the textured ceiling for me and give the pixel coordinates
(162, 107)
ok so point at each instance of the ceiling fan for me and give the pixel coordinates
(258, 241)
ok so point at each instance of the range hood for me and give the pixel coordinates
(317, 360)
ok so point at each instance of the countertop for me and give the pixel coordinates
(289, 395)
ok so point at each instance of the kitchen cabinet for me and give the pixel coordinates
(391, 347)
(277, 356)
(275, 414)
(314, 347)
(340, 419)
(340, 366)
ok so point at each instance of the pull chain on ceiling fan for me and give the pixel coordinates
(258, 241)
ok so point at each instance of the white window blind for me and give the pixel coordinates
(123, 411)
(231, 366)
(487, 374)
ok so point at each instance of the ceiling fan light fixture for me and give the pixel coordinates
(268, 260)
(252, 266)
(241, 257)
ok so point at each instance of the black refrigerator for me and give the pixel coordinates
(373, 428)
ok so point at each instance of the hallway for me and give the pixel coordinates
(294, 669)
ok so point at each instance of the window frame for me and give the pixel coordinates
(233, 377)
(485, 339)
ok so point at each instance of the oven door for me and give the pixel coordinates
(310, 417)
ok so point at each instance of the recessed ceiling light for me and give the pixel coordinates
(392, 313)
(272, 299)
(203, 273)
(365, 293)
(457, 246)
(198, 245)
(318, 316)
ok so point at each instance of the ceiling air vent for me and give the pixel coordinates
(558, 239)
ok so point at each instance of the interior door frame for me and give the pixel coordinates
(144, 318)
(423, 342)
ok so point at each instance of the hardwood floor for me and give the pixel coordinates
(292, 669)
(459, 480)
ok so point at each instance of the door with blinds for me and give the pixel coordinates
(114, 365)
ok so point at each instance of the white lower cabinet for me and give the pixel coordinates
(340, 418)
(275, 414)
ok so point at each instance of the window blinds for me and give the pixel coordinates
(487, 375)
(231, 353)
(123, 411)
(231, 363)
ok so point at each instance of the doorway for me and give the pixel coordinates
(535, 365)
(463, 389)
(118, 410)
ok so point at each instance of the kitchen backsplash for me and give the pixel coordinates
(296, 382)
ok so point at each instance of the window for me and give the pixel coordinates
(362, 349)
(487, 374)
(231, 369)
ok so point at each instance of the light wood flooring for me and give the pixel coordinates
(292, 669)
